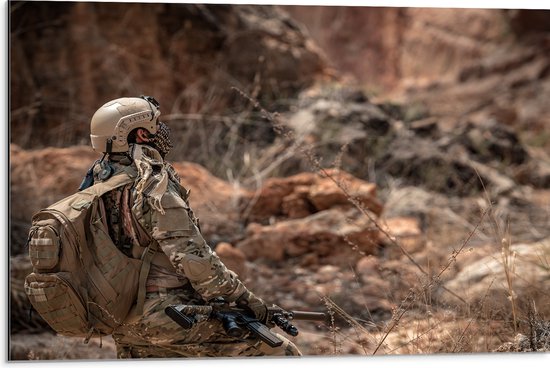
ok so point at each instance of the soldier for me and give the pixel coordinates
(184, 270)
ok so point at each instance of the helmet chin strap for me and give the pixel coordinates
(109, 146)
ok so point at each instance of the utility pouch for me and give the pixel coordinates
(54, 297)
(44, 247)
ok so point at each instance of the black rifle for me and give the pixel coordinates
(237, 322)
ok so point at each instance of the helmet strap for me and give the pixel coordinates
(109, 145)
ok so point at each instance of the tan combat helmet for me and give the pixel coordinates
(112, 122)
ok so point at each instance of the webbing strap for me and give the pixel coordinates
(99, 189)
(42, 254)
(146, 259)
(117, 180)
(100, 282)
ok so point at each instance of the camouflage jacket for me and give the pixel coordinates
(133, 223)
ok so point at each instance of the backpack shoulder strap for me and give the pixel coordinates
(97, 190)
(124, 177)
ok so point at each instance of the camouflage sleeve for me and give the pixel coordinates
(181, 240)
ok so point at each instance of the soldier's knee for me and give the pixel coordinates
(292, 350)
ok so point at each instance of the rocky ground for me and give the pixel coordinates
(419, 220)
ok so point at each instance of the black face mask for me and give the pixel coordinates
(161, 140)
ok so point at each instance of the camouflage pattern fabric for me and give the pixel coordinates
(172, 224)
(180, 239)
(155, 335)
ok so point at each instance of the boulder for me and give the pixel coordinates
(489, 283)
(305, 194)
(491, 140)
(41, 177)
(260, 207)
(421, 163)
(338, 187)
(331, 236)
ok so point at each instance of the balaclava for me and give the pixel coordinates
(161, 140)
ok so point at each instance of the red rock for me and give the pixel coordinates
(307, 193)
(332, 235)
(337, 189)
(41, 177)
(296, 204)
(269, 202)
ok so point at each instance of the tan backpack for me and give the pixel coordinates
(81, 282)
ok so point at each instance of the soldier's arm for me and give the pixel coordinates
(181, 240)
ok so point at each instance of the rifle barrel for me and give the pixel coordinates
(308, 316)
